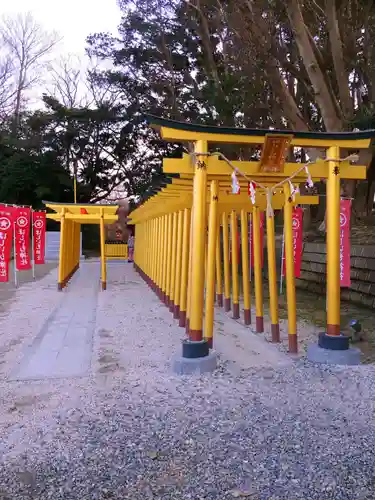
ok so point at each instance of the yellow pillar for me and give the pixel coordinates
(289, 270)
(153, 252)
(149, 252)
(333, 242)
(245, 267)
(173, 261)
(211, 255)
(169, 258)
(189, 271)
(60, 283)
(199, 234)
(235, 283)
(161, 242)
(165, 258)
(78, 248)
(159, 260)
(272, 279)
(185, 267)
(177, 286)
(259, 323)
(68, 248)
(219, 274)
(102, 251)
(226, 263)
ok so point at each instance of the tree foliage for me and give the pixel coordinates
(299, 64)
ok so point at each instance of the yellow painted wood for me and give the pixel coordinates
(116, 251)
(90, 209)
(219, 274)
(185, 260)
(226, 257)
(102, 250)
(62, 255)
(211, 254)
(272, 276)
(198, 251)
(172, 134)
(174, 255)
(190, 267)
(169, 254)
(289, 263)
(333, 243)
(215, 166)
(165, 253)
(234, 245)
(245, 260)
(257, 266)
(180, 230)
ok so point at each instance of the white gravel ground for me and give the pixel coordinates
(270, 429)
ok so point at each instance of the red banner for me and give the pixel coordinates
(39, 236)
(6, 235)
(261, 218)
(297, 219)
(22, 220)
(345, 211)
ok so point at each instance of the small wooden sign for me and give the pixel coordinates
(274, 153)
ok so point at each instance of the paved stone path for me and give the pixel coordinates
(63, 347)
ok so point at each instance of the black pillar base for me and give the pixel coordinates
(333, 342)
(192, 350)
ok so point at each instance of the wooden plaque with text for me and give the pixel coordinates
(274, 153)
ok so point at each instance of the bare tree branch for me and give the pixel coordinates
(68, 81)
(28, 46)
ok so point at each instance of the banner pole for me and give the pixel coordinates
(15, 256)
(32, 244)
(282, 262)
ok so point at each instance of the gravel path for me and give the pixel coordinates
(8, 290)
(131, 430)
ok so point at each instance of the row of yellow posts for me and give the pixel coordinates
(167, 263)
(179, 248)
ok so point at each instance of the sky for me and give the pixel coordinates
(74, 20)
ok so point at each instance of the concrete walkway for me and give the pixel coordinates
(63, 347)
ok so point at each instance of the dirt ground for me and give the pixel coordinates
(7, 290)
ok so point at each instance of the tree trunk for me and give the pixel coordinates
(338, 59)
(322, 94)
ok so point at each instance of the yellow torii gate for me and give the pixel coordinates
(222, 204)
(155, 220)
(71, 216)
